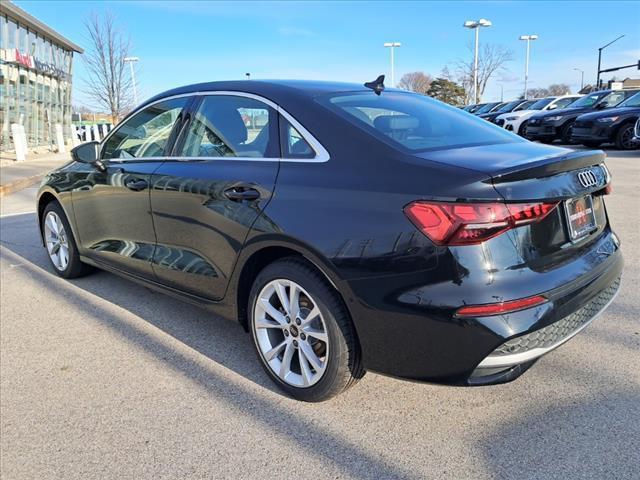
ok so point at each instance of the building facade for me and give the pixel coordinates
(35, 78)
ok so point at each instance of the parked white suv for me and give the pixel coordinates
(517, 121)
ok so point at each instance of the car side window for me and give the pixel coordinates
(294, 144)
(146, 133)
(232, 126)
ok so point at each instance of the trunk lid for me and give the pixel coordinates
(529, 172)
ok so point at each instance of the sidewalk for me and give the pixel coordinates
(15, 176)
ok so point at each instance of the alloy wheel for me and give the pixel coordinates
(56, 239)
(291, 333)
(626, 140)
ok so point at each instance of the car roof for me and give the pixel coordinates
(267, 88)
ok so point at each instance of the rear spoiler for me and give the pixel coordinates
(550, 166)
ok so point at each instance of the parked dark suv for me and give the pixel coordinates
(346, 227)
(549, 126)
(613, 125)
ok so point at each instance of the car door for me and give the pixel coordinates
(112, 208)
(206, 199)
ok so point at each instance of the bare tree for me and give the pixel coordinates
(418, 82)
(109, 83)
(491, 59)
(553, 90)
(559, 89)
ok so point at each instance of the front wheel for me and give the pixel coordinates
(522, 130)
(566, 134)
(302, 332)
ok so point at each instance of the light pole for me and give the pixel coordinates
(581, 77)
(248, 75)
(131, 61)
(600, 58)
(476, 24)
(528, 39)
(392, 46)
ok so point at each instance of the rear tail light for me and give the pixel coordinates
(499, 308)
(472, 223)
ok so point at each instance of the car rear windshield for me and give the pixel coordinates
(415, 122)
(631, 101)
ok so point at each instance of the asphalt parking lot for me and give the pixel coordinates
(102, 378)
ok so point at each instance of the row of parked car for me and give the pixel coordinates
(603, 117)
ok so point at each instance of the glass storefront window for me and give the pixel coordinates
(39, 47)
(22, 36)
(3, 32)
(11, 32)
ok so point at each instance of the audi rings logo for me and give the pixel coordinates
(587, 178)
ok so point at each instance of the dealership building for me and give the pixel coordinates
(35, 79)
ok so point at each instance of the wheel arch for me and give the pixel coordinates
(44, 199)
(257, 256)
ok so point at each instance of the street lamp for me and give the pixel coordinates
(392, 46)
(600, 58)
(248, 75)
(528, 39)
(581, 77)
(131, 61)
(476, 24)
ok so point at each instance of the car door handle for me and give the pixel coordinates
(136, 184)
(238, 194)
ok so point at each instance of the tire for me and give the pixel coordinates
(60, 243)
(624, 137)
(522, 129)
(566, 134)
(591, 144)
(317, 369)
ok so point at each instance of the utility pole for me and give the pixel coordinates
(600, 59)
(475, 25)
(581, 77)
(392, 46)
(528, 39)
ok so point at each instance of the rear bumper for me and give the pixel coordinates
(525, 349)
(407, 331)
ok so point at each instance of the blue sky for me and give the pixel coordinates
(187, 42)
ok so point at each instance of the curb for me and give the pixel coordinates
(20, 184)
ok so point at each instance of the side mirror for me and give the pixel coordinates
(88, 153)
(600, 106)
(553, 107)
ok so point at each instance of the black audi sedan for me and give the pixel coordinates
(614, 125)
(553, 125)
(348, 228)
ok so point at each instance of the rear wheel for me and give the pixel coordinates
(624, 137)
(60, 243)
(302, 332)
